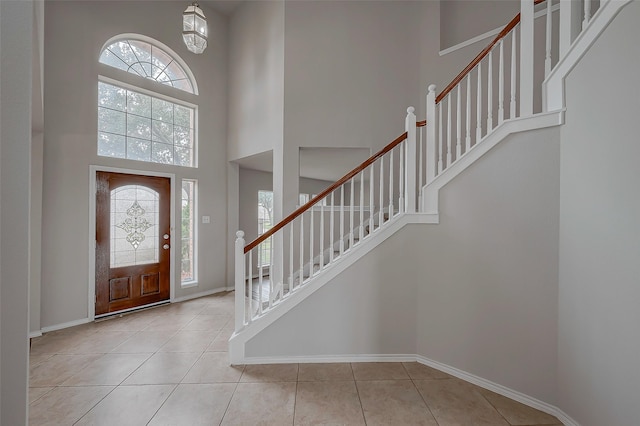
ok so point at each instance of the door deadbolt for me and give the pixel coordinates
(166, 246)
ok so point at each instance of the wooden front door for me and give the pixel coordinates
(133, 241)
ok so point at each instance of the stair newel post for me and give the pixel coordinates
(410, 162)
(240, 282)
(431, 134)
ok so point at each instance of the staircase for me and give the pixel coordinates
(490, 99)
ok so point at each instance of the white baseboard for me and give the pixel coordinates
(463, 375)
(323, 359)
(65, 325)
(33, 334)
(201, 294)
(499, 389)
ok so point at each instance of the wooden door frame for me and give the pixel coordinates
(91, 308)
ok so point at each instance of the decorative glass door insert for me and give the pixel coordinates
(134, 226)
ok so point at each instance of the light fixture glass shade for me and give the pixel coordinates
(194, 28)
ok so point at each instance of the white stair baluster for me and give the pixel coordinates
(467, 141)
(351, 212)
(311, 261)
(250, 282)
(501, 84)
(490, 93)
(391, 183)
(331, 228)
(361, 226)
(547, 57)
(291, 256)
(458, 123)
(479, 105)
(401, 176)
(440, 138)
(371, 198)
(322, 234)
(587, 14)
(381, 213)
(448, 130)
(260, 261)
(512, 104)
(301, 273)
(341, 219)
(272, 293)
(420, 166)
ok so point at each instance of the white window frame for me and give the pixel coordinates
(194, 235)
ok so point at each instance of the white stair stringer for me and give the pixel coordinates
(431, 190)
(239, 339)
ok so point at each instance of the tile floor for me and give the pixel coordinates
(169, 366)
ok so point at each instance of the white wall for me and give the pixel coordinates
(71, 72)
(256, 78)
(599, 320)
(368, 309)
(16, 32)
(488, 289)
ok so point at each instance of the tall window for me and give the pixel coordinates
(137, 124)
(188, 227)
(265, 222)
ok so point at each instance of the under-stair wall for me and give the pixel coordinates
(464, 292)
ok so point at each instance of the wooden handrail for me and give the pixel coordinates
(324, 193)
(421, 123)
(506, 30)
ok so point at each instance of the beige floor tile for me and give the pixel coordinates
(189, 341)
(99, 343)
(144, 341)
(516, 413)
(321, 372)
(270, 373)
(208, 322)
(163, 368)
(219, 308)
(419, 371)
(110, 369)
(35, 359)
(37, 393)
(128, 322)
(393, 402)
(379, 371)
(213, 367)
(221, 342)
(194, 405)
(328, 402)
(190, 307)
(128, 405)
(58, 368)
(261, 404)
(55, 343)
(454, 402)
(170, 322)
(65, 405)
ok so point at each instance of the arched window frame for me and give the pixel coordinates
(154, 43)
(135, 83)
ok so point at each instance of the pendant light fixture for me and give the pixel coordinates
(194, 28)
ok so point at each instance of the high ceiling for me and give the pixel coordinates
(226, 7)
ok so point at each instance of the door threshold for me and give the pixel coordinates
(110, 315)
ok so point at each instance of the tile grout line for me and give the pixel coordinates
(420, 393)
(355, 382)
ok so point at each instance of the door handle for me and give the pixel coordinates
(165, 236)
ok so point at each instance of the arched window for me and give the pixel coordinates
(139, 124)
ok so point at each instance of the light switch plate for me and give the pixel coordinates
(206, 219)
